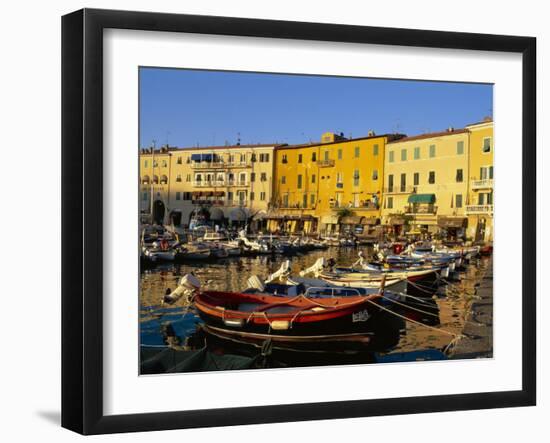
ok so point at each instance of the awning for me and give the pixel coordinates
(351, 220)
(219, 193)
(260, 215)
(396, 221)
(329, 219)
(197, 194)
(370, 221)
(216, 214)
(452, 222)
(238, 215)
(422, 198)
(204, 157)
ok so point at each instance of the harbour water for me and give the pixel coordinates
(178, 324)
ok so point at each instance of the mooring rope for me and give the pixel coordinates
(410, 307)
(416, 322)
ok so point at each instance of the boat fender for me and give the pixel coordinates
(280, 325)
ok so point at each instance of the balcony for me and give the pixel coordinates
(220, 165)
(482, 184)
(325, 163)
(400, 190)
(219, 183)
(421, 209)
(479, 209)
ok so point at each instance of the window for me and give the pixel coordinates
(266, 158)
(326, 153)
(252, 177)
(230, 196)
(284, 159)
(390, 202)
(252, 196)
(417, 153)
(145, 196)
(179, 160)
(188, 178)
(145, 163)
(391, 157)
(299, 158)
(285, 200)
(390, 183)
(375, 150)
(458, 201)
(416, 179)
(243, 158)
(187, 196)
(432, 151)
(262, 196)
(304, 201)
(339, 154)
(403, 155)
(375, 174)
(283, 180)
(164, 164)
(299, 186)
(459, 148)
(487, 144)
(403, 182)
(314, 157)
(431, 177)
(357, 151)
(253, 158)
(339, 180)
(313, 178)
(459, 176)
(312, 199)
(263, 176)
(178, 178)
(242, 177)
(490, 172)
(231, 158)
(178, 195)
(356, 177)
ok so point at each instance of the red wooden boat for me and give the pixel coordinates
(292, 321)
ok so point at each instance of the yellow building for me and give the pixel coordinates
(426, 183)
(154, 172)
(224, 184)
(479, 206)
(314, 182)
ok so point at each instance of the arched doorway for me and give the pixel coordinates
(175, 217)
(158, 212)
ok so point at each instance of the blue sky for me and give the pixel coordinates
(190, 107)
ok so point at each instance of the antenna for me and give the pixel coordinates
(238, 138)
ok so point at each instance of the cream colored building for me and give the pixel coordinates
(426, 183)
(225, 184)
(479, 207)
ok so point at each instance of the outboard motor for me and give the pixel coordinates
(319, 265)
(255, 282)
(188, 284)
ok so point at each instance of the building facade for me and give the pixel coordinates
(316, 183)
(223, 184)
(479, 207)
(426, 183)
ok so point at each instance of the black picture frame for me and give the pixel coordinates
(82, 190)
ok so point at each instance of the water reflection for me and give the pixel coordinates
(194, 348)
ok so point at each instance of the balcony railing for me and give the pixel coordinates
(482, 184)
(421, 209)
(220, 165)
(219, 183)
(325, 163)
(479, 209)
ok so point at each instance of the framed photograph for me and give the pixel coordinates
(269, 221)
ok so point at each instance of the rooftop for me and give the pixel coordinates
(431, 135)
